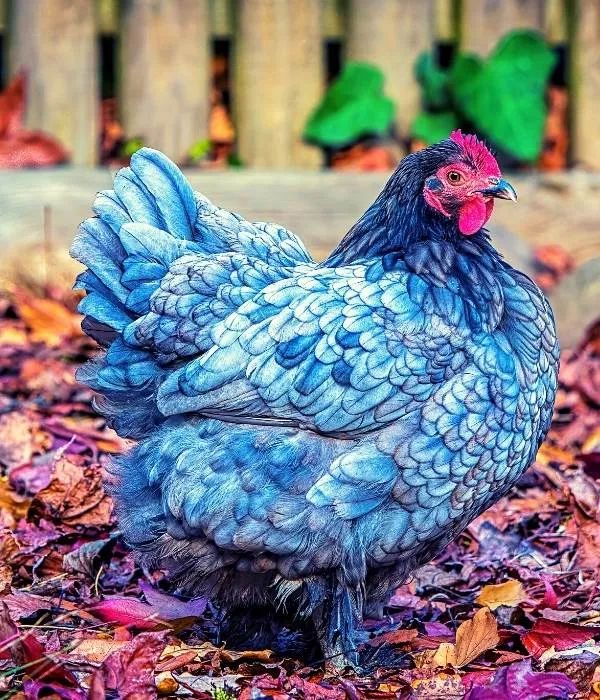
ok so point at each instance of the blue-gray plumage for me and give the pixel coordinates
(310, 433)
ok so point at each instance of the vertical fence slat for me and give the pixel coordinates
(307, 77)
(165, 73)
(483, 22)
(586, 84)
(391, 34)
(278, 79)
(55, 43)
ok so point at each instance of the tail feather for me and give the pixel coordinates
(149, 220)
(171, 194)
(140, 228)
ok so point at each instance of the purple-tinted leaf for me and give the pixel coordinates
(41, 689)
(519, 682)
(169, 607)
(438, 629)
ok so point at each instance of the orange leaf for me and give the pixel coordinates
(49, 321)
(509, 593)
(445, 655)
(475, 636)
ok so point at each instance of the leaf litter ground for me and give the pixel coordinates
(509, 610)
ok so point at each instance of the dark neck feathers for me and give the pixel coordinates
(400, 219)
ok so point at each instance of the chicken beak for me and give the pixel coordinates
(501, 190)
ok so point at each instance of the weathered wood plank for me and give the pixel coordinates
(107, 16)
(165, 72)
(586, 84)
(391, 34)
(54, 41)
(307, 77)
(483, 22)
(221, 17)
(278, 80)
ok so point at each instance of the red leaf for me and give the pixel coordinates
(126, 611)
(130, 670)
(550, 599)
(27, 650)
(560, 635)
(12, 105)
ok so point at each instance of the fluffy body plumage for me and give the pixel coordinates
(308, 432)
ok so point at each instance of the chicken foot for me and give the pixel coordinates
(337, 619)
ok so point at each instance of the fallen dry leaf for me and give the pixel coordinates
(21, 437)
(510, 593)
(129, 671)
(96, 649)
(49, 321)
(561, 635)
(61, 556)
(475, 636)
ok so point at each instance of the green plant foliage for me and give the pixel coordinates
(354, 106)
(504, 96)
(234, 161)
(432, 127)
(199, 150)
(434, 82)
(501, 97)
(131, 146)
(222, 694)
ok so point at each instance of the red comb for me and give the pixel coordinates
(477, 151)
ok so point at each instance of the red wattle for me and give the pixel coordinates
(473, 214)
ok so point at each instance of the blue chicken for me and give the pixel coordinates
(310, 433)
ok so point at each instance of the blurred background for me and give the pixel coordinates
(297, 110)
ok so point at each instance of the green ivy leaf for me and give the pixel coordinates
(432, 127)
(504, 96)
(354, 106)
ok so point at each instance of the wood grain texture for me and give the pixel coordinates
(54, 42)
(165, 73)
(278, 80)
(586, 84)
(483, 22)
(391, 34)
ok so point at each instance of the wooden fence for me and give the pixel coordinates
(278, 63)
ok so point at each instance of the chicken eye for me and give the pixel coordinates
(454, 177)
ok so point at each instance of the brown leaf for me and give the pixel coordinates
(394, 637)
(96, 649)
(75, 496)
(442, 685)
(475, 636)
(578, 667)
(5, 577)
(21, 436)
(261, 655)
(509, 593)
